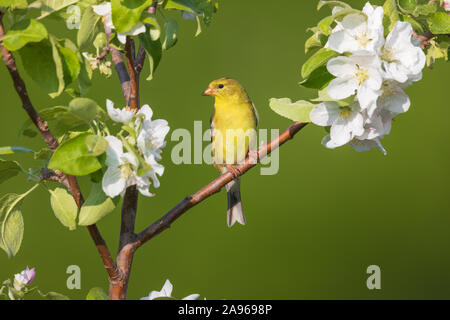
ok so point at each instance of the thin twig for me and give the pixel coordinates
(104, 54)
(69, 181)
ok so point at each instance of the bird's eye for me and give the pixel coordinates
(220, 86)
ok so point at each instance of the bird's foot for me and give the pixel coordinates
(253, 156)
(234, 171)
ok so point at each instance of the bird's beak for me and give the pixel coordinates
(208, 92)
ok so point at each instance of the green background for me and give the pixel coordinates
(313, 228)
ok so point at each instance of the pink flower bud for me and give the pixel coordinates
(25, 277)
(446, 5)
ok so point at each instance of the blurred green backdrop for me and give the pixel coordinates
(313, 228)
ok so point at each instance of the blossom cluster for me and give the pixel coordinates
(133, 160)
(370, 77)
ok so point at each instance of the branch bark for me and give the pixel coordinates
(118, 287)
(129, 55)
(69, 181)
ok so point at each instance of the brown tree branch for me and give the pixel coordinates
(121, 70)
(69, 181)
(215, 186)
(129, 56)
(125, 253)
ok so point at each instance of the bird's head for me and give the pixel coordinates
(227, 89)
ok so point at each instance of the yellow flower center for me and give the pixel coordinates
(362, 40)
(344, 113)
(126, 171)
(387, 55)
(362, 75)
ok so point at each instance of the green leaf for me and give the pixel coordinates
(415, 25)
(184, 5)
(8, 169)
(333, 3)
(97, 293)
(314, 41)
(50, 6)
(52, 295)
(71, 65)
(390, 15)
(14, 4)
(73, 157)
(296, 111)
(437, 51)
(97, 206)
(86, 109)
(154, 51)
(47, 114)
(11, 232)
(97, 145)
(24, 32)
(85, 77)
(100, 41)
(88, 23)
(171, 34)
(127, 13)
(43, 64)
(43, 154)
(439, 23)
(324, 96)
(318, 79)
(13, 150)
(407, 6)
(424, 10)
(64, 207)
(324, 25)
(152, 25)
(318, 59)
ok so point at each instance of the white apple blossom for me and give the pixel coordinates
(104, 10)
(166, 292)
(393, 98)
(346, 122)
(357, 73)
(402, 60)
(151, 138)
(119, 115)
(122, 171)
(24, 278)
(358, 32)
(375, 70)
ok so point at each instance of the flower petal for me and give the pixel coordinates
(341, 88)
(114, 151)
(324, 114)
(112, 183)
(341, 67)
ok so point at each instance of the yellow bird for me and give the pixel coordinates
(233, 134)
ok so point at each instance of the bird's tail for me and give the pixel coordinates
(234, 209)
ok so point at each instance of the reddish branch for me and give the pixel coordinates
(129, 55)
(125, 253)
(69, 181)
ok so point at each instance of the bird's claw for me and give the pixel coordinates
(234, 171)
